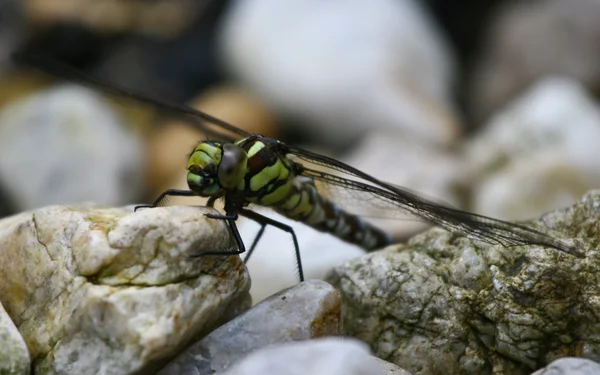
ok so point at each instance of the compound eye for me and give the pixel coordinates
(233, 165)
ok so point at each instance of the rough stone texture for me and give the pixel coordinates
(529, 40)
(390, 368)
(65, 145)
(345, 69)
(107, 291)
(538, 154)
(14, 357)
(444, 304)
(308, 310)
(570, 366)
(328, 356)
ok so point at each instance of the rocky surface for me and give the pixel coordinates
(444, 304)
(308, 310)
(65, 145)
(347, 68)
(330, 356)
(14, 357)
(106, 291)
(538, 154)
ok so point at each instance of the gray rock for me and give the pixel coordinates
(65, 145)
(328, 356)
(345, 69)
(570, 366)
(538, 154)
(447, 304)
(308, 310)
(14, 357)
(12, 27)
(107, 291)
(530, 40)
(390, 368)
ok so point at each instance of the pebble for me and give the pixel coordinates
(65, 145)
(14, 357)
(570, 366)
(538, 154)
(107, 291)
(530, 40)
(305, 311)
(345, 68)
(330, 356)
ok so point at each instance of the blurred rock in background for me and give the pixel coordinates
(346, 68)
(528, 40)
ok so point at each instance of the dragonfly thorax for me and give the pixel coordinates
(213, 167)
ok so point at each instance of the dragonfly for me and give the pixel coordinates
(244, 169)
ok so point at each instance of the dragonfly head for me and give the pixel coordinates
(213, 167)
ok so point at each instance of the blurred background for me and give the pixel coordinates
(491, 106)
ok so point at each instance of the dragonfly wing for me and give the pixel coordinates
(213, 127)
(354, 188)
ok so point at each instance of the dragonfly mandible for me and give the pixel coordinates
(258, 170)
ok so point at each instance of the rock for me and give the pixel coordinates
(447, 304)
(14, 357)
(308, 310)
(93, 289)
(329, 356)
(538, 154)
(272, 266)
(390, 368)
(164, 18)
(529, 40)
(570, 366)
(345, 69)
(11, 30)
(65, 145)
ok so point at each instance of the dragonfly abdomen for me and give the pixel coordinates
(304, 204)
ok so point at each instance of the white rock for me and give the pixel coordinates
(539, 153)
(570, 366)
(530, 40)
(107, 291)
(14, 356)
(330, 356)
(66, 145)
(345, 68)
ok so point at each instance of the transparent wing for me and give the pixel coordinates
(213, 127)
(355, 190)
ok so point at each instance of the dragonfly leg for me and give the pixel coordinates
(255, 242)
(230, 217)
(165, 194)
(263, 220)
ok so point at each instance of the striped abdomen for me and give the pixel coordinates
(304, 204)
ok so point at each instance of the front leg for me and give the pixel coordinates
(164, 195)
